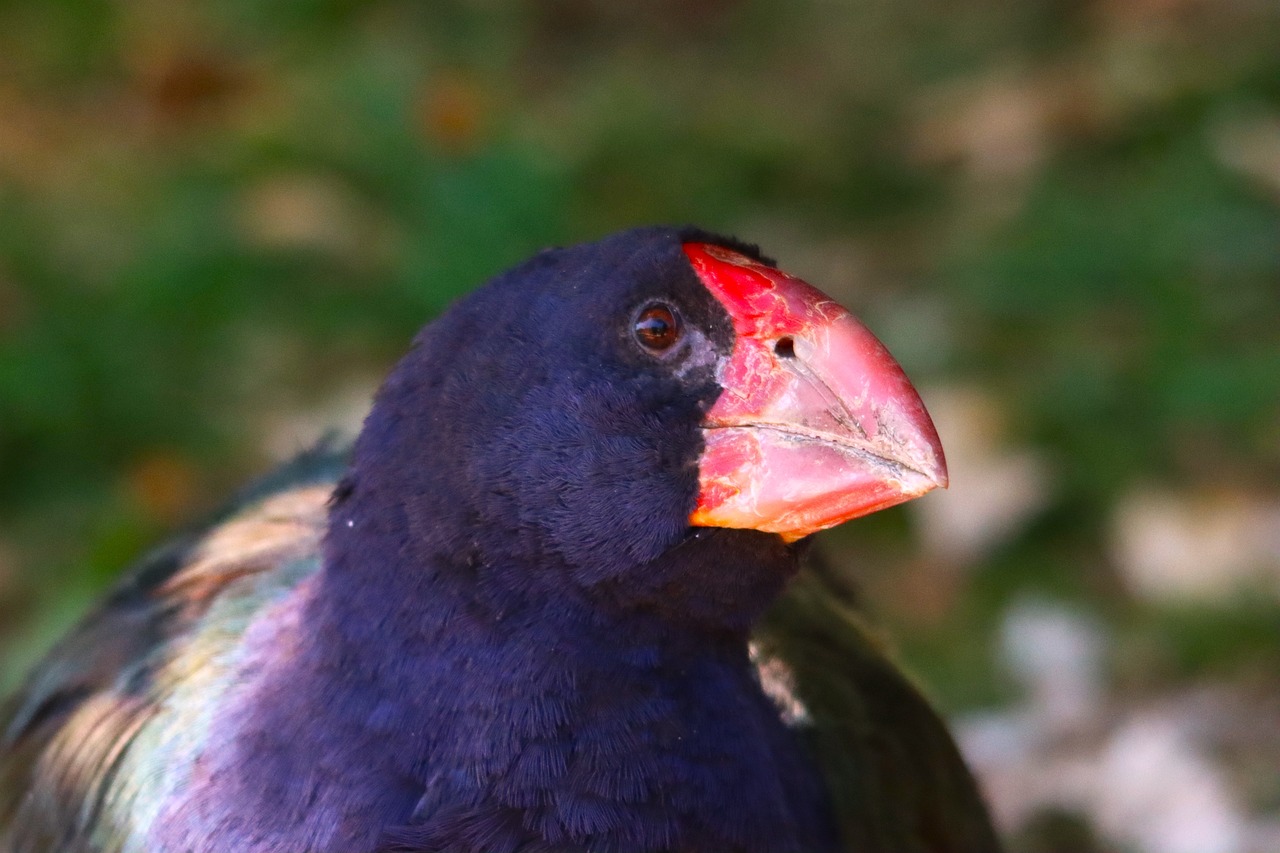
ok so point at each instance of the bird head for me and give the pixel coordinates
(603, 406)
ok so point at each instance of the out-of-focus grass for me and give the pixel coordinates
(219, 223)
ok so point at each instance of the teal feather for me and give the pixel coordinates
(113, 720)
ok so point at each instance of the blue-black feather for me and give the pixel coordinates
(502, 638)
(504, 618)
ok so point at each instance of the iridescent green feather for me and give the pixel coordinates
(896, 777)
(113, 717)
(112, 723)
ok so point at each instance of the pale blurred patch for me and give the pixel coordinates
(1150, 776)
(1196, 545)
(1057, 655)
(1158, 790)
(315, 212)
(1249, 143)
(286, 432)
(996, 489)
(994, 127)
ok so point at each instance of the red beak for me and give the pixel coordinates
(817, 423)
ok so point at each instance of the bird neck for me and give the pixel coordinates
(472, 717)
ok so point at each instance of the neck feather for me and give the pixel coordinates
(437, 696)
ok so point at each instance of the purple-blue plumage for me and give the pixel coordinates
(504, 634)
(501, 636)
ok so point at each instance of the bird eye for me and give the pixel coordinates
(657, 328)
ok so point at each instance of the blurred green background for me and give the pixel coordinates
(220, 223)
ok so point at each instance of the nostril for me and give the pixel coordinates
(785, 348)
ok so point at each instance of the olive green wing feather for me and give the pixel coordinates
(897, 780)
(80, 742)
(72, 777)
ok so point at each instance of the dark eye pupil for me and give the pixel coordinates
(657, 328)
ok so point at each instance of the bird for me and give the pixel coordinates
(558, 595)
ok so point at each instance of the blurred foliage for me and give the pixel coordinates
(214, 216)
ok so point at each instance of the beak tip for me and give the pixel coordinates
(929, 479)
(939, 474)
(928, 444)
